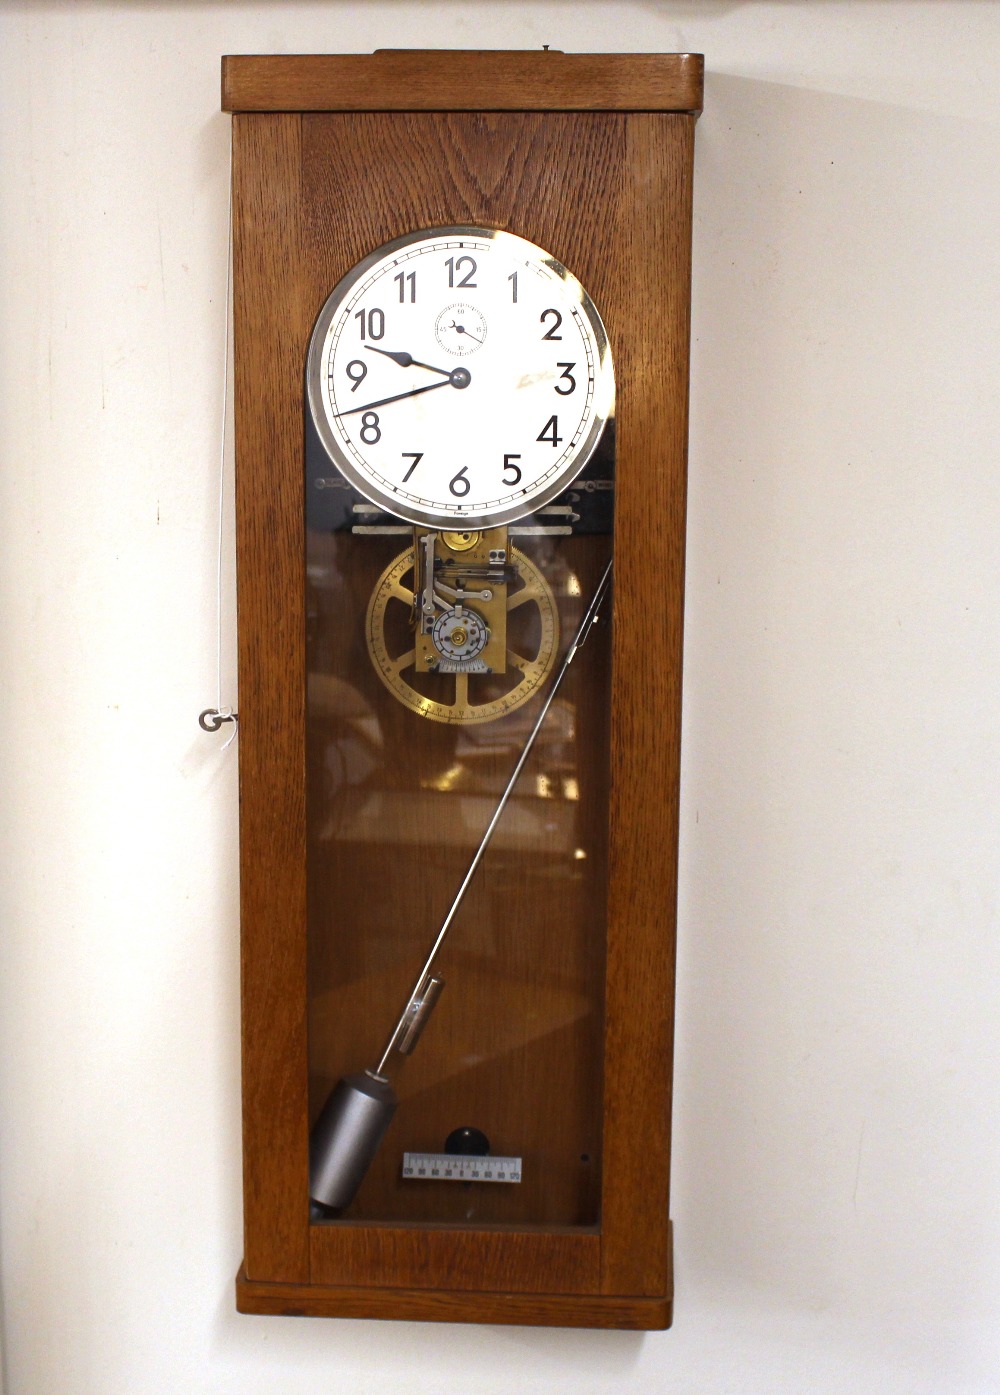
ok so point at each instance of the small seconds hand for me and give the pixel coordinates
(460, 329)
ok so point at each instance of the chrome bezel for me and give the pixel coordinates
(604, 385)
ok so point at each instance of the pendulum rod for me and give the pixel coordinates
(417, 1009)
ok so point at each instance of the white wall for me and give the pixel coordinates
(836, 1137)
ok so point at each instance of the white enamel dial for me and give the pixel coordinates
(459, 377)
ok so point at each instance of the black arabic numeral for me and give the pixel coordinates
(370, 432)
(407, 279)
(550, 431)
(459, 485)
(551, 333)
(372, 321)
(416, 456)
(357, 377)
(567, 373)
(455, 268)
(512, 278)
(508, 465)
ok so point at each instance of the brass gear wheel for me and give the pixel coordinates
(532, 642)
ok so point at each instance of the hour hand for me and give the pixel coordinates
(406, 360)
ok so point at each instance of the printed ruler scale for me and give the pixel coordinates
(457, 1167)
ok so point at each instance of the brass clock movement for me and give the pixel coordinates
(461, 377)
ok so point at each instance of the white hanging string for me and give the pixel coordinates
(211, 720)
(224, 418)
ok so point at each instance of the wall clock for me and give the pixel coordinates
(461, 379)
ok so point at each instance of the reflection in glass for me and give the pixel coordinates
(398, 804)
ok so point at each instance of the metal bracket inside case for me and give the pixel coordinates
(417, 1014)
(373, 520)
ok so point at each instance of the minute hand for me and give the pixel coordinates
(384, 401)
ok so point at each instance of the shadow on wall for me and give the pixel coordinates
(835, 795)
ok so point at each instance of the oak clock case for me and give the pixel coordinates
(459, 727)
(460, 377)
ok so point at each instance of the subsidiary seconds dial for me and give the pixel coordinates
(459, 376)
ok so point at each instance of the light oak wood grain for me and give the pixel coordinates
(498, 1259)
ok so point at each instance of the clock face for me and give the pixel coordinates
(460, 377)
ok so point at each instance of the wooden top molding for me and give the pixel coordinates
(463, 80)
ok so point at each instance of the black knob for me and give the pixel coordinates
(470, 1143)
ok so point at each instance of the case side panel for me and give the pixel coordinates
(651, 331)
(268, 395)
